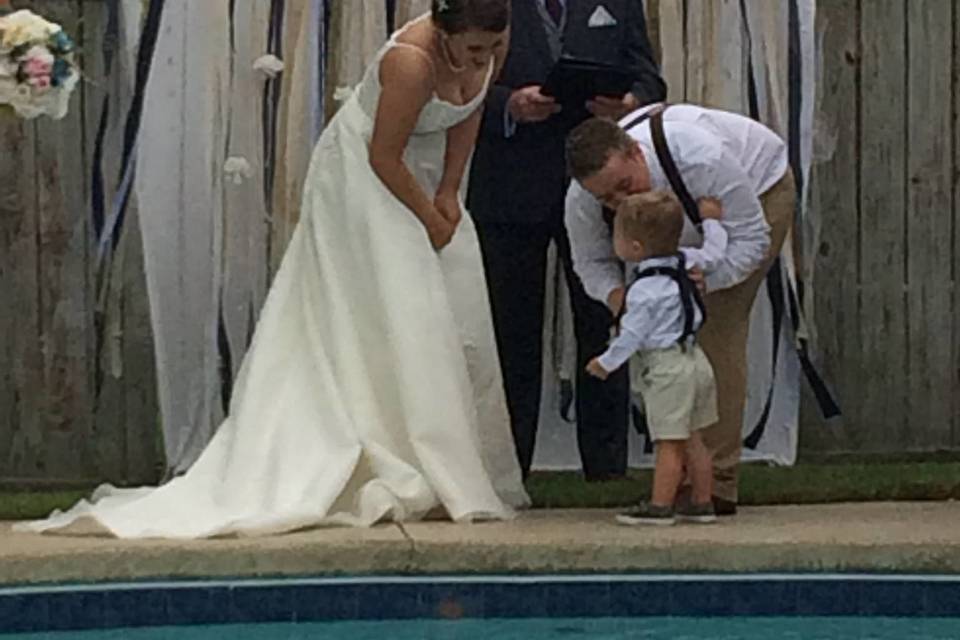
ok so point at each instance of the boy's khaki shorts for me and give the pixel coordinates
(678, 390)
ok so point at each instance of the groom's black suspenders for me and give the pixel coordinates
(655, 116)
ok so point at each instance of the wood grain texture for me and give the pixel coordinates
(932, 370)
(62, 237)
(882, 391)
(834, 203)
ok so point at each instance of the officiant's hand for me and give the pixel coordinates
(448, 205)
(529, 105)
(614, 108)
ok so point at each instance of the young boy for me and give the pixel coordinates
(658, 328)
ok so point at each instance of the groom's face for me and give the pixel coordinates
(624, 174)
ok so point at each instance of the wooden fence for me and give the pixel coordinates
(884, 191)
(77, 388)
(72, 408)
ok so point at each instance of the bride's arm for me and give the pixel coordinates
(462, 138)
(460, 141)
(406, 78)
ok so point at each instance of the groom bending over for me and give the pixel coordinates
(716, 154)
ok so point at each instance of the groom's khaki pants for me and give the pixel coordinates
(724, 339)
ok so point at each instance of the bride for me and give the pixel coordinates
(371, 390)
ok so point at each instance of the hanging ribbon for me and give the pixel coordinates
(778, 290)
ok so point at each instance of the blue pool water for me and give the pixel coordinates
(657, 628)
(668, 606)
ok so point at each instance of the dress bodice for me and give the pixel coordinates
(437, 114)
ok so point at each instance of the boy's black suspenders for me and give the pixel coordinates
(689, 296)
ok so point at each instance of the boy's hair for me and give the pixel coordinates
(655, 218)
(590, 145)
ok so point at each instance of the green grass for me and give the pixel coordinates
(23, 505)
(759, 484)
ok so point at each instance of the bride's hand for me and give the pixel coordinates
(440, 232)
(448, 204)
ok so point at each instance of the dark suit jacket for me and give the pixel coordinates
(522, 179)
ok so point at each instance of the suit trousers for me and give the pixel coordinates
(515, 260)
(724, 339)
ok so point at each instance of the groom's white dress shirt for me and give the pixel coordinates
(719, 154)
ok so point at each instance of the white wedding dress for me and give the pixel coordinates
(372, 387)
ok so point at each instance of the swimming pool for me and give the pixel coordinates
(530, 607)
(793, 628)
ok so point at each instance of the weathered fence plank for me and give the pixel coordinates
(955, 261)
(881, 394)
(64, 309)
(834, 203)
(106, 308)
(21, 305)
(932, 370)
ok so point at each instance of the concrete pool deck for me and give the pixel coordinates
(905, 537)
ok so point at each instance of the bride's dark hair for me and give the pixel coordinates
(457, 16)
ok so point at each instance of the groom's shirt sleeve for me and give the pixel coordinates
(591, 244)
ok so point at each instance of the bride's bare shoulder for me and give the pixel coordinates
(409, 60)
(407, 68)
(418, 33)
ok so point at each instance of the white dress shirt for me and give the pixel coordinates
(708, 257)
(719, 154)
(654, 309)
(654, 316)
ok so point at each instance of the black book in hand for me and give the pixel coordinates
(573, 81)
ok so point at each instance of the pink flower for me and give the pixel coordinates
(39, 81)
(37, 62)
(37, 67)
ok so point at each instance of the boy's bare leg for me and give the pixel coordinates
(700, 469)
(668, 471)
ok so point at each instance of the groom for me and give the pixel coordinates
(517, 187)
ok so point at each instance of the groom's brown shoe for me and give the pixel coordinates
(723, 507)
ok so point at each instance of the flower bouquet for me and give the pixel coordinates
(37, 67)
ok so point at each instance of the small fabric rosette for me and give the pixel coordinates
(38, 71)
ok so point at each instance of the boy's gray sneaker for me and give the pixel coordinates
(646, 513)
(698, 513)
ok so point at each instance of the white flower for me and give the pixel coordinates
(40, 54)
(28, 102)
(342, 94)
(22, 27)
(30, 34)
(270, 65)
(8, 68)
(237, 169)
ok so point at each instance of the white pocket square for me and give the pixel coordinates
(601, 18)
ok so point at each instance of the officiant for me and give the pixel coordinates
(517, 187)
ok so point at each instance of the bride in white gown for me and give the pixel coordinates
(372, 388)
